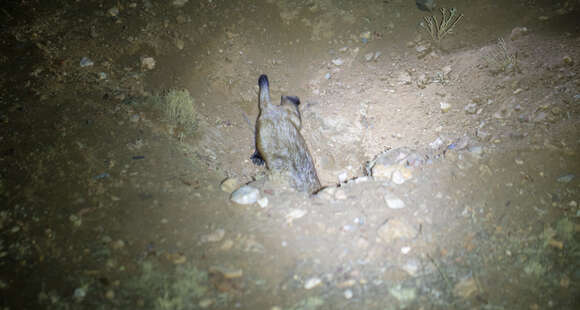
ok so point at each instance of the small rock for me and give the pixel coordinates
(80, 293)
(405, 250)
(519, 161)
(206, 302)
(134, 118)
(245, 195)
(148, 63)
(180, 3)
(518, 32)
(114, 11)
(342, 177)
(437, 143)
(76, 220)
(369, 56)
(475, 149)
(348, 294)
(396, 229)
(215, 236)
(228, 273)
(412, 267)
(465, 288)
(86, 62)
(365, 35)
(295, 214)
(119, 244)
(229, 185)
(566, 178)
(421, 48)
(446, 70)
(426, 5)
(263, 202)
(445, 107)
(312, 283)
(340, 195)
(404, 78)
(567, 60)
(398, 177)
(393, 202)
(471, 108)
(403, 295)
(337, 61)
(110, 294)
(327, 76)
(179, 43)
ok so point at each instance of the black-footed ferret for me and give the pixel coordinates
(279, 143)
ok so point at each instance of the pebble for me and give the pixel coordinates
(229, 185)
(365, 35)
(566, 178)
(204, 303)
(148, 63)
(80, 293)
(215, 236)
(86, 62)
(518, 32)
(403, 295)
(436, 144)
(228, 273)
(475, 149)
(412, 267)
(519, 161)
(348, 294)
(394, 202)
(327, 76)
(471, 108)
(395, 229)
(114, 11)
(245, 195)
(445, 107)
(119, 244)
(404, 78)
(342, 177)
(369, 56)
(77, 221)
(465, 288)
(110, 294)
(263, 202)
(312, 283)
(337, 61)
(180, 3)
(340, 195)
(295, 214)
(406, 249)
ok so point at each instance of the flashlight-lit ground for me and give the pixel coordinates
(106, 204)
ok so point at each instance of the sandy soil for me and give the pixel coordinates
(450, 166)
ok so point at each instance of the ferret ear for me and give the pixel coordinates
(293, 99)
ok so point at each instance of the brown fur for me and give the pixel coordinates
(279, 142)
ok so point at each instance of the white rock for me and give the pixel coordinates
(312, 283)
(337, 61)
(180, 3)
(398, 177)
(445, 107)
(394, 202)
(342, 177)
(245, 195)
(348, 294)
(148, 63)
(263, 202)
(295, 214)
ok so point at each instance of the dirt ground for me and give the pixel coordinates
(450, 164)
